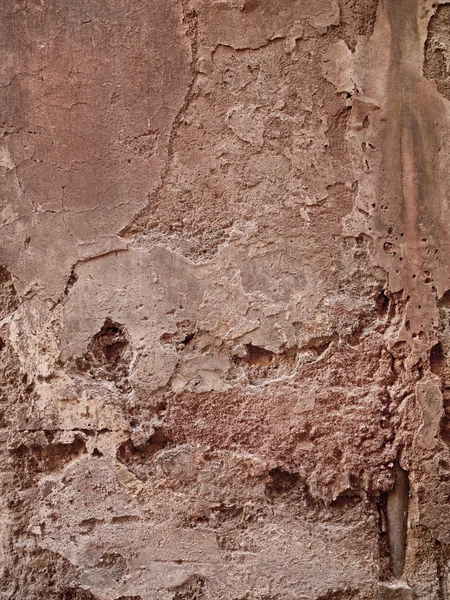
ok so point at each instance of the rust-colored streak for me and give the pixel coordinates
(410, 228)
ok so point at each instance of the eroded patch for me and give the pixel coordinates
(9, 300)
(108, 355)
(437, 50)
(357, 19)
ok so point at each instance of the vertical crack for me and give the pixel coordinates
(442, 591)
(397, 520)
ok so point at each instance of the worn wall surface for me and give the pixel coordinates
(224, 300)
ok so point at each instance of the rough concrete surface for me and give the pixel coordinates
(224, 300)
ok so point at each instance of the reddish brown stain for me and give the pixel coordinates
(411, 228)
(410, 225)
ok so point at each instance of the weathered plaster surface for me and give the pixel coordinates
(224, 300)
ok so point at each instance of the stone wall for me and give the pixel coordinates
(224, 300)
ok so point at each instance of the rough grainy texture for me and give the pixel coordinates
(224, 300)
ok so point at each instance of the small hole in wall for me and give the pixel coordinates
(338, 454)
(188, 339)
(258, 356)
(436, 358)
(280, 483)
(382, 303)
(108, 355)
